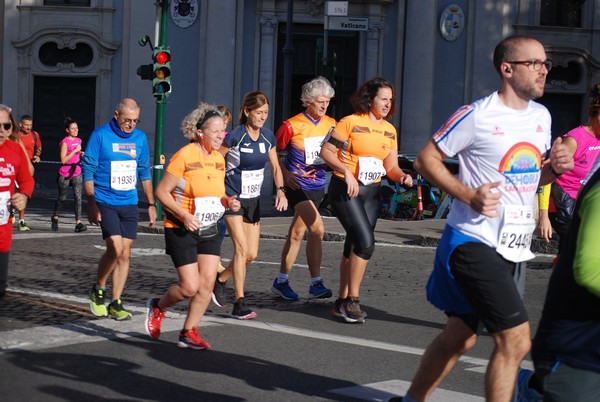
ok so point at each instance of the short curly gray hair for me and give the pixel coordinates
(318, 86)
(197, 118)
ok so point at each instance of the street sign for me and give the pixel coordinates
(348, 24)
(338, 8)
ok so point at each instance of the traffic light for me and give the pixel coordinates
(146, 71)
(161, 83)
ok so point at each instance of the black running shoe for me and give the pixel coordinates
(218, 295)
(241, 311)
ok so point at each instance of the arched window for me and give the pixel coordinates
(50, 54)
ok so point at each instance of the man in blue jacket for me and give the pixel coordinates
(116, 156)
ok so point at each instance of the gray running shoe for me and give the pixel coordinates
(351, 311)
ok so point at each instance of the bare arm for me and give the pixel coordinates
(147, 186)
(429, 164)
(561, 159)
(281, 202)
(329, 155)
(93, 212)
(394, 172)
(163, 193)
(29, 164)
(64, 158)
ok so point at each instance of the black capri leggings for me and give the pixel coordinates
(357, 215)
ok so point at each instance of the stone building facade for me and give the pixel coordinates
(77, 58)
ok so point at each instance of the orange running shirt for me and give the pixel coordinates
(366, 138)
(199, 176)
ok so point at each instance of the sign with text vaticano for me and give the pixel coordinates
(348, 24)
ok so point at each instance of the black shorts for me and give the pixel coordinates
(249, 209)
(488, 283)
(295, 197)
(184, 246)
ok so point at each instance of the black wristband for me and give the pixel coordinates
(152, 204)
(554, 172)
(281, 188)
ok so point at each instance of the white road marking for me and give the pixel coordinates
(383, 391)
(93, 330)
(54, 235)
(97, 330)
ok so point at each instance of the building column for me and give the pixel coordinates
(266, 81)
(266, 59)
(418, 78)
(373, 55)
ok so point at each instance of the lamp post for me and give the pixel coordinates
(161, 101)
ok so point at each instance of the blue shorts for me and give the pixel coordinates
(119, 221)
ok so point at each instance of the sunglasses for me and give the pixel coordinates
(6, 126)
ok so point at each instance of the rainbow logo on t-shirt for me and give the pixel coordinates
(521, 167)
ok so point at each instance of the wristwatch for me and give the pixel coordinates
(281, 188)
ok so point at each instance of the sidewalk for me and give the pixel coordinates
(274, 224)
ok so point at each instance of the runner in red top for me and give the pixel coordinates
(14, 169)
(33, 146)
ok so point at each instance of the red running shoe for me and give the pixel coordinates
(190, 339)
(154, 317)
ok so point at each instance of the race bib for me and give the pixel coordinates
(208, 210)
(370, 169)
(123, 175)
(251, 183)
(4, 207)
(516, 232)
(312, 151)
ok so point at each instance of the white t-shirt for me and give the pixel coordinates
(495, 143)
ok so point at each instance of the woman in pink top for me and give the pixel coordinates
(584, 142)
(70, 173)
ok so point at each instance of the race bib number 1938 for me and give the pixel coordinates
(123, 175)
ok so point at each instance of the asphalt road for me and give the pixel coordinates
(53, 349)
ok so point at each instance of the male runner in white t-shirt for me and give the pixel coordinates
(500, 142)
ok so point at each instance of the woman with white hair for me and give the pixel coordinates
(299, 142)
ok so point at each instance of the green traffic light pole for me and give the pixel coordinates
(161, 101)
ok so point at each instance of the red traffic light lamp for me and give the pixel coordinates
(161, 83)
(163, 57)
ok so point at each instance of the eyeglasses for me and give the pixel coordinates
(534, 65)
(6, 126)
(133, 122)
